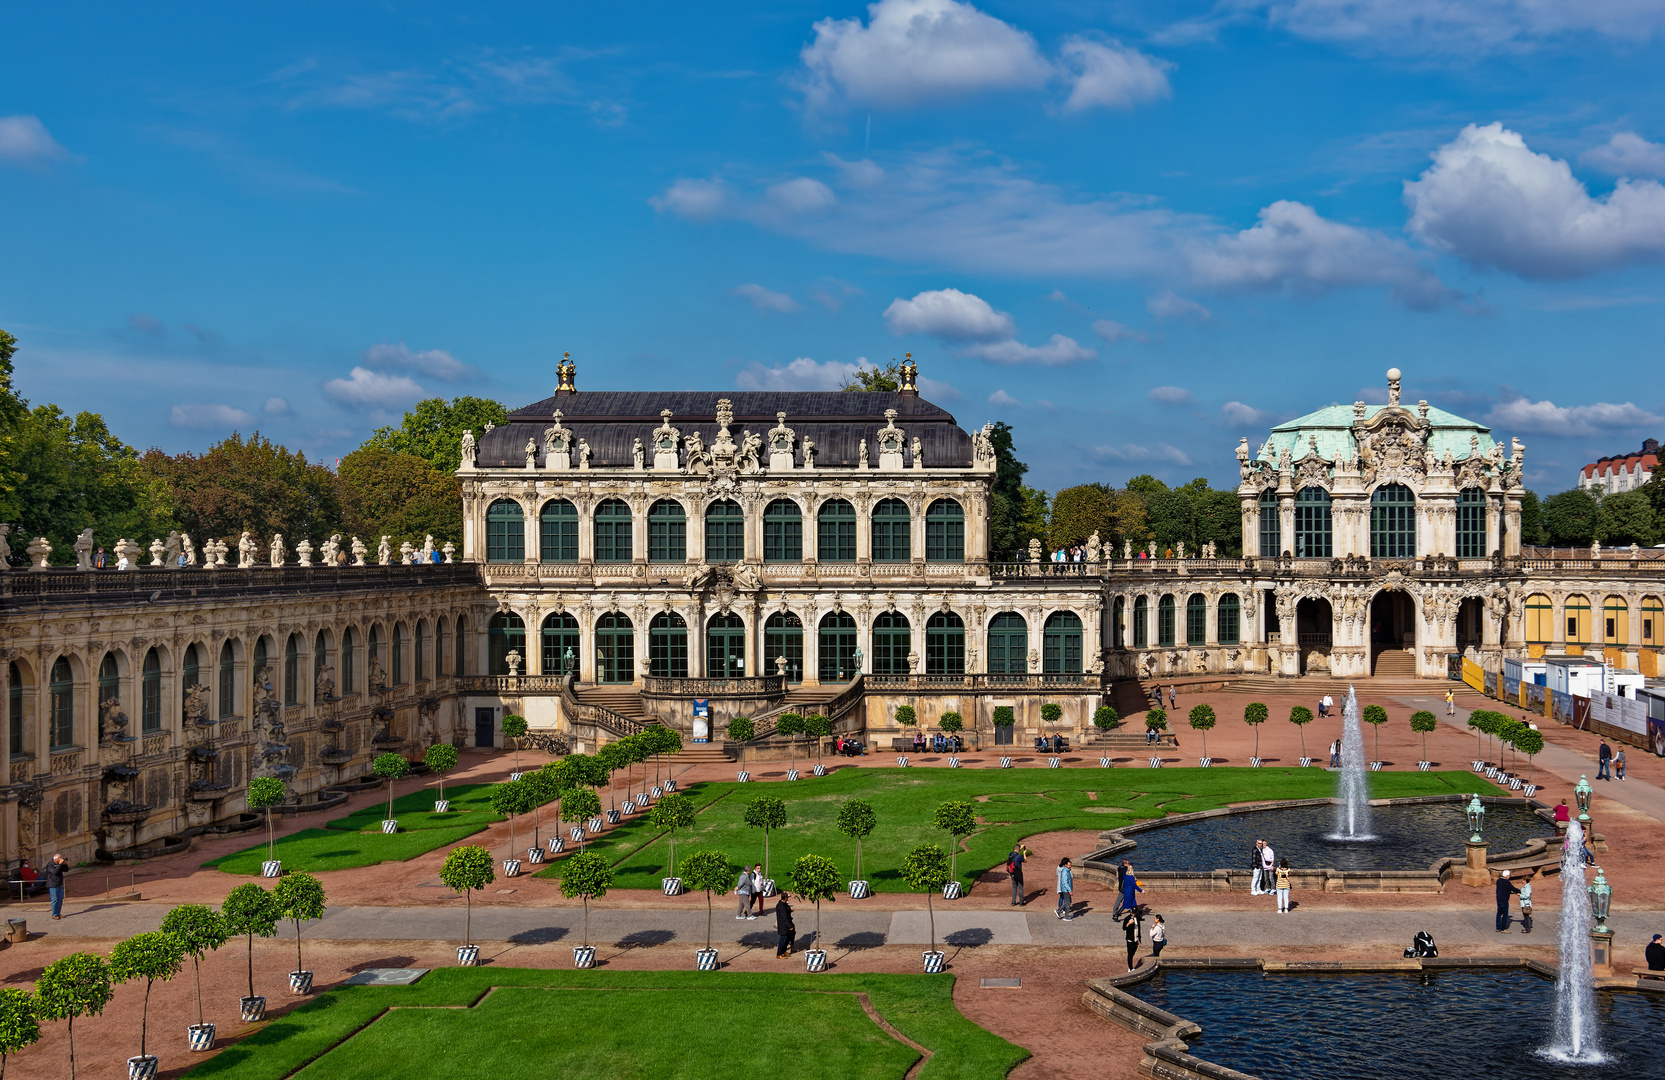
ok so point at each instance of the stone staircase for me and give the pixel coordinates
(1394, 664)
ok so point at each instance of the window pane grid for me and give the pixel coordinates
(1312, 524)
(1269, 539)
(1471, 524)
(1061, 645)
(945, 645)
(1392, 523)
(725, 532)
(1196, 620)
(945, 532)
(837, 532)
(505, 532)
(1165, 621)
(837, 648)
(558, 532)
(612, 532)
(890, 532)
(1229, 619)
(668, 647)
(1008, 644)
(560, 633)
(892, 641)
(667, 533)
(783, 532)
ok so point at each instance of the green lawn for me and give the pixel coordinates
(470, 805)
(601, 1025)
(1013, 803)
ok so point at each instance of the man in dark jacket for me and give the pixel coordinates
(1604, 761)
(1656, 954)
(54, 878)
(1505, 889)
(1015, 861)
(784, 927)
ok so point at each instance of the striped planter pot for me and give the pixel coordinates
(271, 868)
(557, 844)
(1205, 762)
(768, 888)
(1104, 763)
(658, 793)
(820, 770)
(1254, 763)
(468, 955)
(1375, 766)
(1477, 765)
(534, 855)
(791, 774)
(442, 805)
(1306, 763)
(576, 832)
(593, 825)
(1005, 763)
(953, 763)
(1491, 772)
(902, 762)
(670, 785)
(201, 1037)
(743, 776)
(951, 891)
(300, 982)
(858, 890)
(141, 1068)
(933, 961)
(671, 885)
(511, 867)
(705, 960)
(390, 826)
(612, 817)
(815, 960)
(1424, 766)
(514, 777)
(1156, 763)
(1515, 784)
(1054, 763)
(630, 806)
(583, 956)
(1529, 790)
(253, 1009)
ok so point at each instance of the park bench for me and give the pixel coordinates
(1648, 973)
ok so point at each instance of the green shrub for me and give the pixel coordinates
(906, 716)
(1157, 719)
(741, 729)
(950, 722)
(1052, 712)
(1105, 718)
(1003, 716)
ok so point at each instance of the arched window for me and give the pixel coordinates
(372, 655)
(1652, 610)
(1008, 644)
(1270, 534)
(558, 532)
(349, 662)
(399, 654)
(320, 661)
(1118, 620)
(892, 641)
(292, 670)
(1312, 523)
(615, 649)
(1141, 622)
(505, 532)
(505, 633)
(1471, 524)
(1165, 620)
(890, 533)
(61, 697)
(1392, 522)
(1615, 622)
(193, 676)
(725, 532)
(783, 635)
(945, 644)
(836, 532)
(1061, 644)
(668, 646)
(109, 689)
(439, 647)
(1578, 620)
(14, 709)
(783, 532)
(725, 647)
(612, 534)
(462, 645)
(1540, 620)
(837, 647)
(667, 527)
(1229, 619)
(944, 532)
(1196, 620)
(561, 645)
(150, 696)
(420, 655)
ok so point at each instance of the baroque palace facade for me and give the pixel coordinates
(628, 554)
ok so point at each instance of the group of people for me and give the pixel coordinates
(849, 747)
(25, 881)
(1051, 744)
(1072, 553)
(1270, 875)
(1325, 704)
(1610, 765)
(1506, 888)
(750, 891)
(938, 743)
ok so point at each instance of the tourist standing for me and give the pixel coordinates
(785, 930)
(1130, 927)
(1335, 754)
(54, 877)
(1451, 703)
(1130, 891)
(1066, 890)
(1268, 866)
(743, 892)
(1526, 905)
(1014, 867)
(1158, 937)
(99, 560)
(1604, 761)
(1655, 953)
(1505, 889)
(1254, 869)
(1282, 883)
(1173, 696)
(1619, 763)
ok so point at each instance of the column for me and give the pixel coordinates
(916, 533)
(533, 535)
(1286, 523)
(695, 618)
(586, 530)
(864, 530)
(696, 535)
(1494, 524)
(1558, 639)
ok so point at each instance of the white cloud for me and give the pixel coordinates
(204, 417)
(1109, 75)
(802, 195)
(1548, 418)
(1244, 415)
(1134, 452)
(1001, 399)
(765, 299)
(801, 374)
(856, 174)
(24, 139)
(950, 314)
(1627, 154)
(694, 199)
(276, 406)
(373, 389)
(1169, 305)
(1059, 351)
(146, 324)
(435, 362)
(1114, 332)
(1170, 395)
(1294, 249)
(913, 52)
(1491, 201)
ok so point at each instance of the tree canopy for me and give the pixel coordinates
(433, 428)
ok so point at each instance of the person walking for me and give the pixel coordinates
(1130, 928)
(1604, 761)
(54, 878)
(1526, 905)
(1619, 763)
(1158, 937)
(1282, 883)
(743, 891)
(1066, 890)
(1451, 703)
(785, 930)
(1335, 754)
(1173, 696)
(1014, 867)
(1130, 891)
(1505, 889)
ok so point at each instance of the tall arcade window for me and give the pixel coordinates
(506, 633)
(668, 646)
(667, 526)
(1141, 622)
(1229, 619)
(892, 641)
(944, 532)
(560, 636)
(1312, 523)
(836, 532)
(945, 644)
(61, 702)
(150, 695)
(505, 532)
(1392, 522)
(292, 671)
(14, 710)
(1270, 542)
(558, 532)
(612, 533)
(1061, 644)
(783, 532)
(615, 649)
(109, 689)
(1196, 619)
(1471, 524)
(725, 532)
(783, 635)
(1165, 620)
(837, 647)
(890, 532)
(1008, 644)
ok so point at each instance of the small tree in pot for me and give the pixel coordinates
(1255, 714)
(390, 767)
(441, 758)
(791, 725)
(19, 1026)
(815, 878)
(819, 728)
(673, 812)
(951, 723)
(1105, 718)
(74, 985)
(1422, 722)
(300, 897)
(199, 931)
(926, 870)
(856, 820)
(514, 727)
(1301, 716)
(153, 956)
(712, 873)
(251, 911)
(1531, 743)
(1156, 720)
(511, 798)
(588, 875)
(905, 715)
(767, 813)
(266, 792)
(466, 869)
(540, 786)
(1202, 719)
(612, 757)
(581, 804)
(741, 729)
(959, 819)
(1051, 713)
(1375, 716)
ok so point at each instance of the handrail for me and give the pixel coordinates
(983, 683)
(597, 715)
(834, 710)
(744, 686)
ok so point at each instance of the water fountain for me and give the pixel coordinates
(1352, 818)
(1577, 1040)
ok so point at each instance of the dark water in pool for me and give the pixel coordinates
(1365, 1027)
(1408, 838)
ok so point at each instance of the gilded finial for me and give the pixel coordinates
(566, 374)
(909, 376)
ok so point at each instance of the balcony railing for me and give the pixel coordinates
(747, 686)
(982, 684)
(163, 584)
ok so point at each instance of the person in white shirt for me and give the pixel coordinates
(1268, 866)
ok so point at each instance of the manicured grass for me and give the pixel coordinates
(1011, 804)
(601, 1025)
(319, 850)
(470, 805)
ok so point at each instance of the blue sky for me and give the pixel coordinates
(1133, 231)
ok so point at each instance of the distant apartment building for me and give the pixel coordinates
(1621, 472)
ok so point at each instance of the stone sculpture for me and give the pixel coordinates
(468, 449)
(190, 549)
(83, 550)
(359, 551)
(303, 552)
(384, 551)
(157, 549)
(276, 552)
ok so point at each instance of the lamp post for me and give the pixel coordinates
(1582, 792)
(1601, 900)
(1601, 938)
(858, 661)
(1476, 817)
(1475, 872)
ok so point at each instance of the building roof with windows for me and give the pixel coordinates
(1332, 428)
(1622, 472)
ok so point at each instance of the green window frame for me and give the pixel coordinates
(1228, 619)
(836, 647)
(836, 532)
(1196, 620)
(420, 654)
(461, 665)
(398, 656)
(1165, 630)
(612, 533)
(725, 532)
(944, 532)
(1061, 644)
(783, 635)
(725, 647)
(14, 709)
(615, 649)
(109, 689)
(1392, 522)
(560, 633)
(61, 702)
(1313, 536)
(1118, 619)
(667, 526)
(349, 663)
(945, 644)
(150, 698)
(192, 676)
(1141, 622)
(892, 641)
(783, 532)
(292, 670)
(668, 646)
(1471, 524)
(505, 633)
(1270, 531)
(1008, 644)
(891, 540)
(558, 532)
(439, 648)
(505, 532)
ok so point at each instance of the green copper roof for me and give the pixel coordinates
(1332, 428)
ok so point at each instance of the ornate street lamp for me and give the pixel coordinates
(1476, 815)
(1601, 901)
(858, 660)
(1582, 792)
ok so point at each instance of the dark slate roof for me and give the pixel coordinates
(611, 420)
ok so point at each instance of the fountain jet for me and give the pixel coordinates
(1352, 818)
(1577, 1039)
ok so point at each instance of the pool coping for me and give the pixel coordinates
(1168, 1054)
(1100, 866)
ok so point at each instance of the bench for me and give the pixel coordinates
(1648, 973)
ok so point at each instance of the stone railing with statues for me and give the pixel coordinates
(983, 684)
(69, 585)
(179, 552)
(753, 686)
